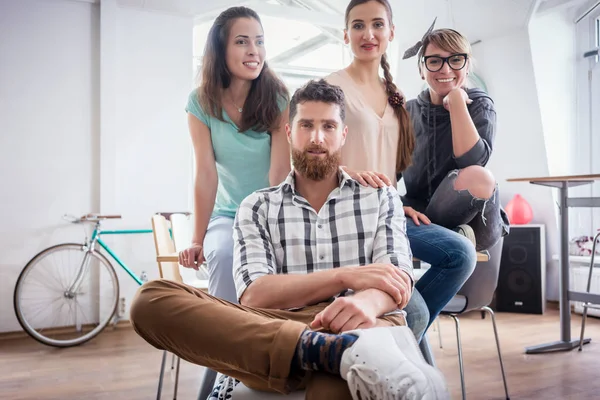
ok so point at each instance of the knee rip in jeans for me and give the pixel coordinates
(492, 198)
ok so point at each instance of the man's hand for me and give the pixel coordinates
(416, 216)
(369, 178)
(456, 95)
(345, 314)
(385, 277)
(192, 257)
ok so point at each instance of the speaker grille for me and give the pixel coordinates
(519, 281)
(520, 278)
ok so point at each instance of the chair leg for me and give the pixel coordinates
(460, 356)
(426, 350)
(176, 379)
(207, 385)
(588, 288)
(162, 372)
(439, 331)
(583, 319)
(493, 316)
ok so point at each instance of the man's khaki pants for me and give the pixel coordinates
(254, 345)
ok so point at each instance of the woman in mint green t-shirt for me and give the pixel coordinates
(237, 123)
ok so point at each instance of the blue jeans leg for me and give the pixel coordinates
(452, 258)
(417, 315)
(218, 251)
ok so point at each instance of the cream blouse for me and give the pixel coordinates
(372, 141)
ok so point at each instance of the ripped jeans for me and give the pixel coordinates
(450, 208)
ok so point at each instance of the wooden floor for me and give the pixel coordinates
(119, 365)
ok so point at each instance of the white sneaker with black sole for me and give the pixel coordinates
(386, 364)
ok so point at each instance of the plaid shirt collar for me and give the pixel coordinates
(343, 178)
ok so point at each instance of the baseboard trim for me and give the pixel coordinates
(21, 334)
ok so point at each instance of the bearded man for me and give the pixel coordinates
(323, 272)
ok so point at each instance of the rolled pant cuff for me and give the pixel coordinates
(281, 355)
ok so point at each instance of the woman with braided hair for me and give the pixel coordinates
(381, 138)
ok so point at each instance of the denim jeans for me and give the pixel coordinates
(417, 314)
(218, 251)
(452, 258)
(450, 208)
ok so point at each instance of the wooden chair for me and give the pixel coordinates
(182, 227)
(169, 270)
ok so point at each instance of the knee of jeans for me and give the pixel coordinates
(463, 255)
(220, 260)
(478, 180)
(417, 317)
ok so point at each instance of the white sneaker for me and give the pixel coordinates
(386, 363)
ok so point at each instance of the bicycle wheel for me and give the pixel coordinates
(54, 312)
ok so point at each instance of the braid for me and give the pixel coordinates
(390, 86)
(406, 138)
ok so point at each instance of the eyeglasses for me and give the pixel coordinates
(455, 62)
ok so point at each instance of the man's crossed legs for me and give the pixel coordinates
(275, 350)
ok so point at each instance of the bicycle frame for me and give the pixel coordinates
(96, 239)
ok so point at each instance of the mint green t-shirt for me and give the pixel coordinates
(242, 159)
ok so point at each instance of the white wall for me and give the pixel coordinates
(50, 96)
(153, 151)
(49, 129)
(506, 65)
(586, 139)
(554, 70)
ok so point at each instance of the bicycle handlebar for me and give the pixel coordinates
(89, 218)
(98, 217)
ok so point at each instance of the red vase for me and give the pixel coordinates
(519, 211)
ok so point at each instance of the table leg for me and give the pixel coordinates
(565, 343)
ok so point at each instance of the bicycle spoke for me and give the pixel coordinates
(42, 309)
(51, 277)
(34, 282)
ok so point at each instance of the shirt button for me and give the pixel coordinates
(320, 226)
(321, 257)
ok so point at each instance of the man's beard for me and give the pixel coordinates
(315, 168)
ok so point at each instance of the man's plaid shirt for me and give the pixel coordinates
(276, 231)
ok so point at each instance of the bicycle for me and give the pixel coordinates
(88, 288)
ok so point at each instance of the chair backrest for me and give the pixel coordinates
(479, 288)
(182, 226)
(164, 246)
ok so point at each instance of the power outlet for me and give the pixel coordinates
(121, 307)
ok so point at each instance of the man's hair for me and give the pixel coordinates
(319, 90)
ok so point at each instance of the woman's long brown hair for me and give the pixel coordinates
(406, 139)
(261, 110)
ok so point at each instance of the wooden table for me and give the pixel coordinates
(563, 183)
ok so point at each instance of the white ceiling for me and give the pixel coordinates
(477, 19)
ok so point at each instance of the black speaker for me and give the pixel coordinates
(522, 278)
